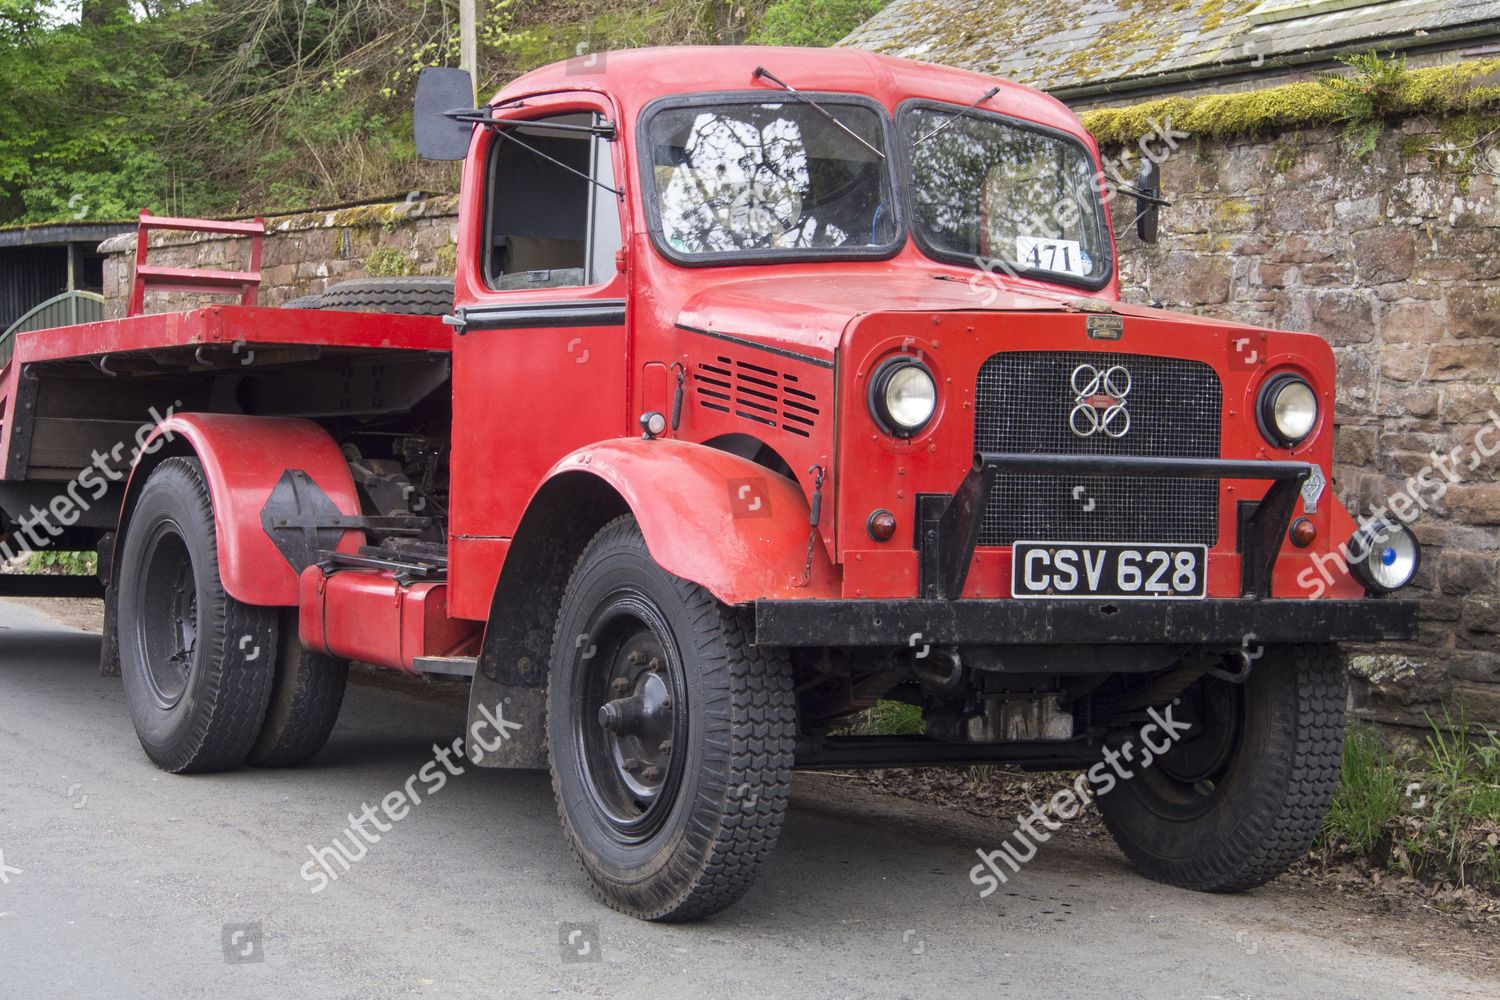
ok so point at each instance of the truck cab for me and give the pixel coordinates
(781, 382)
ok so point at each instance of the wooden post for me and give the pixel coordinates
(468, 46)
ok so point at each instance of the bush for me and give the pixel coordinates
(813, 22)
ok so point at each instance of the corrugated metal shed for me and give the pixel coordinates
(38, 262)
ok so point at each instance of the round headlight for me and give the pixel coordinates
(1384, 557)
(903, 396)
(1288, 410)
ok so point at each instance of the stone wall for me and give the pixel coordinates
(303, 253)
(1394, 258)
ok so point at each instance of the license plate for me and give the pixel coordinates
(1109, 569)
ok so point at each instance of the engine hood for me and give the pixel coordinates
(810, 312)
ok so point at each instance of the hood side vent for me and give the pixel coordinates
(755, 392)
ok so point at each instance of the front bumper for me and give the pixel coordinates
(949, 526)
(1010, 622)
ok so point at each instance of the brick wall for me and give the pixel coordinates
(302, 253)
(1393, 259)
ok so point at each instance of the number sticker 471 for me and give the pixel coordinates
(1118, 570)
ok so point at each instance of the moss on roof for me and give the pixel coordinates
(1461, 88)
(1061, 46)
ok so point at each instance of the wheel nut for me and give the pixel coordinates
(655, 665)
(620, 685)
(666, 746)
(632, 765)
(651, 775)
(635, 658)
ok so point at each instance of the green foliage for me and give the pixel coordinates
(890, 718)
(1455, 89)
(73, 143)
(222, 107)
(52, 563)
(1434, 814)
(813, 22)
(388, 262)
(1368, 797)
(1460, 775)
(1365, 97)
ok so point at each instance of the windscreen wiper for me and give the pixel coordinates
(761, 71)
(954, 116)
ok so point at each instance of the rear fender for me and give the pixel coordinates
(243, 459)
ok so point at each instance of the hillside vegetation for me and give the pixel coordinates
(216, 107)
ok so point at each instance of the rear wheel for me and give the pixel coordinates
(1241, 796)
(670, 735)
(305, 702)
(197, 665)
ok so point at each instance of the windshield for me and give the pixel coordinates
(988, 191)
(772, 177)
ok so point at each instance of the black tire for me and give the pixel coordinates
(686, 840)
(407, 296)
(305, 702)
(197, 665)
(305, 302)
(1241, 797)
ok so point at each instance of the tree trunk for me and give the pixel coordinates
(97, 12)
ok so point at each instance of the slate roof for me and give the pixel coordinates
(1058, 46)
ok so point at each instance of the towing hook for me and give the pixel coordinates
(946, 671)
(1244, 659)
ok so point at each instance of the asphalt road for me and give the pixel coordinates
(120, 881)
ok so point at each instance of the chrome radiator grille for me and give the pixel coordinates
(1025, 402)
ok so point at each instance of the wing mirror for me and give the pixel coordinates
(440, 92)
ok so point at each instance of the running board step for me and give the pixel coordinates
(448, 666)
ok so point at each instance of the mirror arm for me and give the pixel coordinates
(1140, 195)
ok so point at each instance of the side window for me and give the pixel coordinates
(547, 225)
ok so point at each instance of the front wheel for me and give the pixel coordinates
(1242, 795)
(671, 736)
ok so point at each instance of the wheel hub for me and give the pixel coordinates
(169, 633)
(631, 719)
(640, 723)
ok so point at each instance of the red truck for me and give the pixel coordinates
(771, 383)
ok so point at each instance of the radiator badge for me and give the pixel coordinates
(1106, 327)
(1099, 401)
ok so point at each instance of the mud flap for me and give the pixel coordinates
(109, 642)
(519, 712)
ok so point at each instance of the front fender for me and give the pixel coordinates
(736, 528)
(243, 457)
